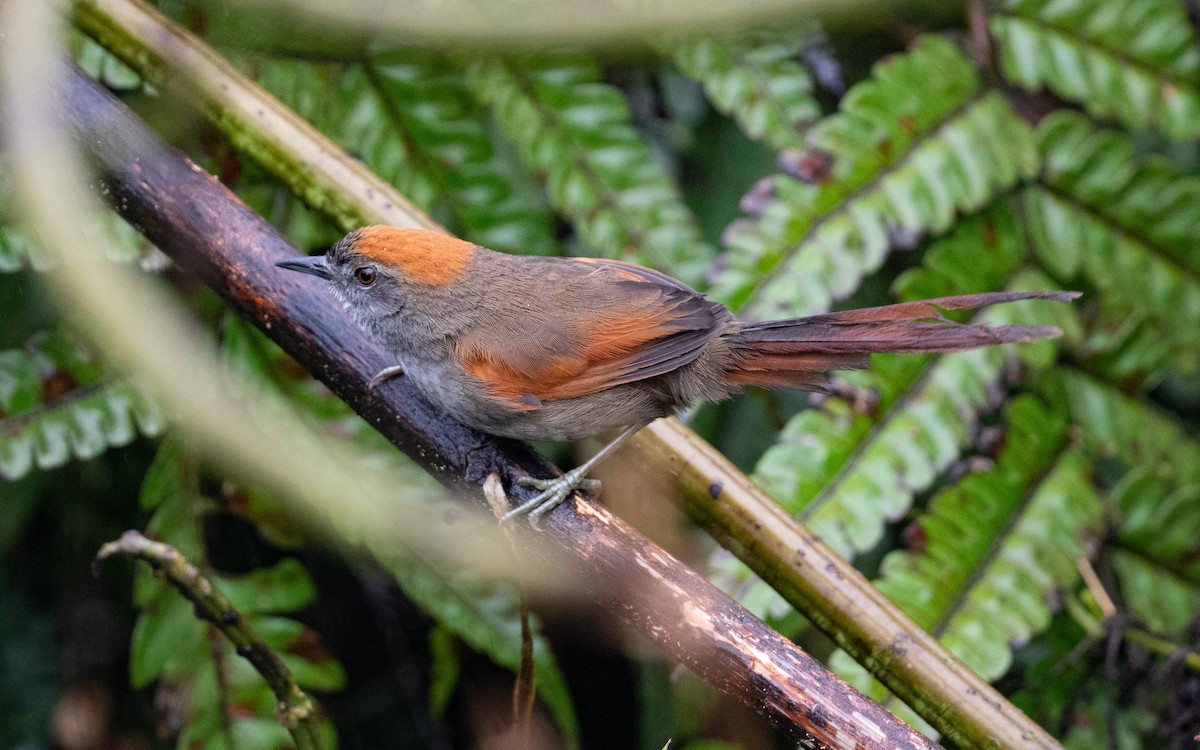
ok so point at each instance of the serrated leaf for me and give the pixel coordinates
(1136, 61)
(576, 132)
(912, 147)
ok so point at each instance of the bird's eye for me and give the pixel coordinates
(365, 275)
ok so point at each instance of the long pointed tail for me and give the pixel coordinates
(795, 353)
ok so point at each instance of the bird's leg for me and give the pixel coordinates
(386, 373)
(554, 491)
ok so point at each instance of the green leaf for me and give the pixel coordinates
(171, 644)
(909, 149)
(121, 242)
(56, 404)
(444, 669)
(313, 667)
(846, 472)
(576, 132)
(1136, 61)
(164, 639)
(1158, 597)
(432, 106)
(757, 78)
(282, 587)
(102, 65)
(18, 251)
(1028, 562)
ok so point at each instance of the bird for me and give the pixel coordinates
(562, 348)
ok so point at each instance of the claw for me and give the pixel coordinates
(553, 493)
(587, 484)
(386, 373)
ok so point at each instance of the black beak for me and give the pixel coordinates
(313, 264)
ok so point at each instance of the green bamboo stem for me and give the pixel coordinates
(833, 594)
(814, 579)
(315, 168)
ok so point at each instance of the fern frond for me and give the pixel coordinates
(340, 102)
(575, 132)
(411, 118)
(1136, 61)
(1157, 495)
(428, 98)
(758, 79)
(1126, 226)
(57, 403)
(995, 549)
(998, 546)
(919, 142)
(845, 474)
(1162, 599)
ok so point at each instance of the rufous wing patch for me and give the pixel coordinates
(522, 386)
(628, 323)
(425, 256)
(608, 345)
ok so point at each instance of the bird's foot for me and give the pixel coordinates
(553, 492)
(386, 373)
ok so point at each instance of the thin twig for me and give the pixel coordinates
(525, 689)
(295, 710)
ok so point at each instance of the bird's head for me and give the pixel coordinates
(376, 271)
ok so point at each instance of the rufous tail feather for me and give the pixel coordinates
(795, 353)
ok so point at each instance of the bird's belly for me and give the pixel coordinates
(465, 399)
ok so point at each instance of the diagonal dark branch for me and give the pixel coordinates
(208, 231)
